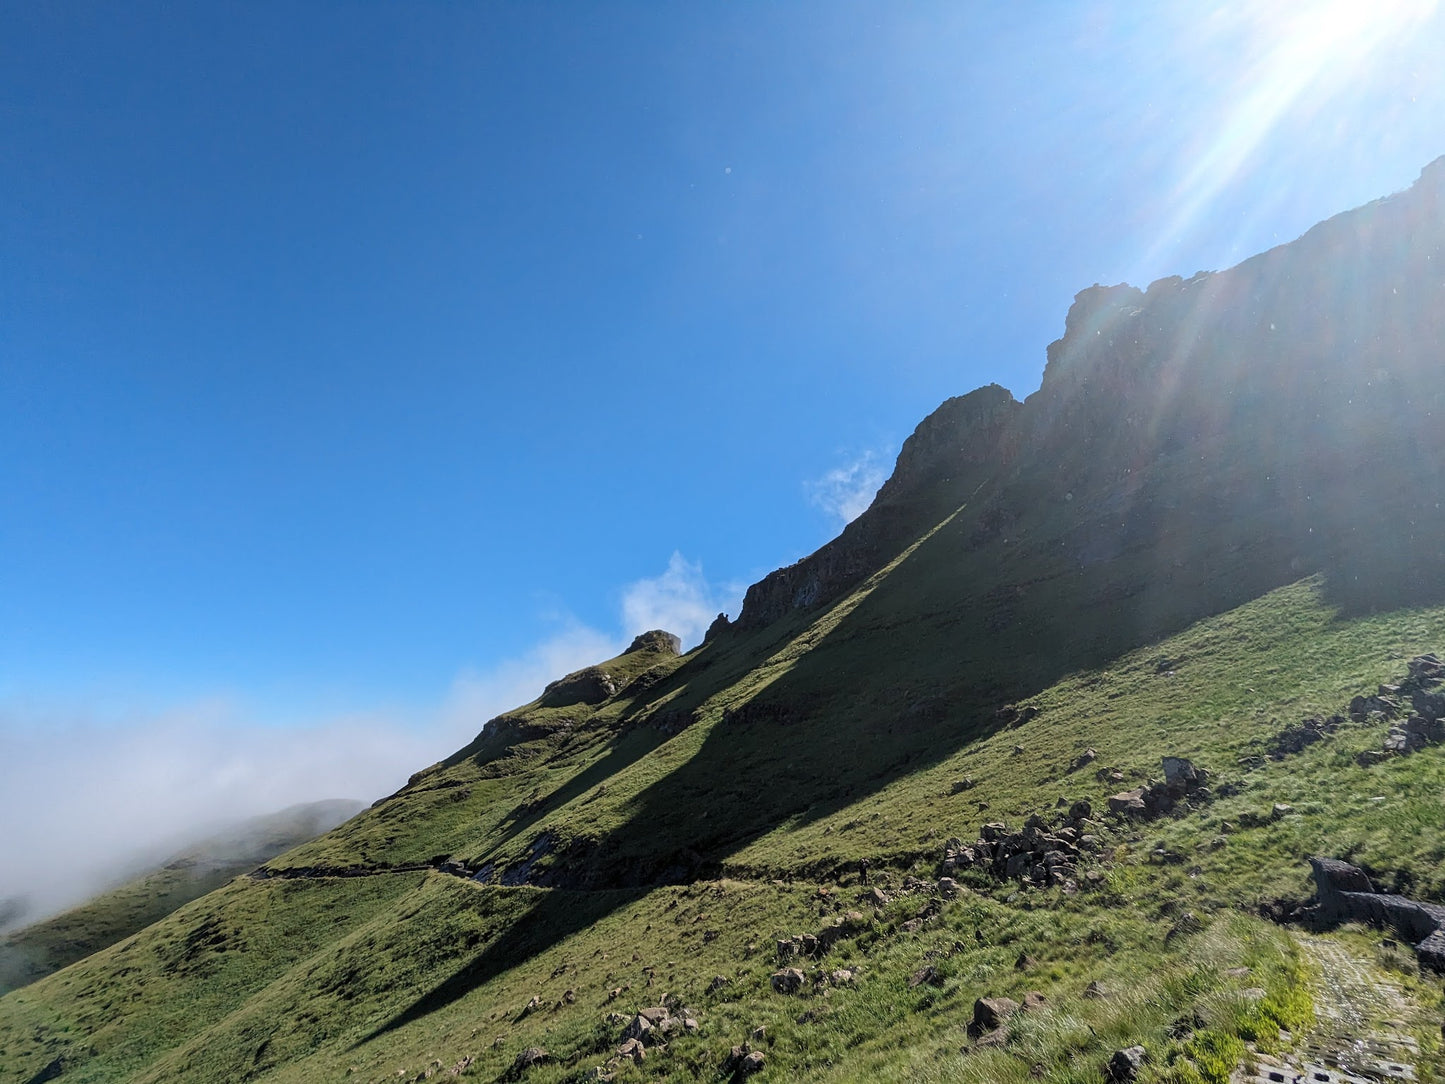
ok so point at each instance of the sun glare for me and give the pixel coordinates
(1295, 61)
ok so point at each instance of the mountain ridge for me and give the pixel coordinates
(1208, 539)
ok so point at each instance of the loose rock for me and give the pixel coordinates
(1125, 1066)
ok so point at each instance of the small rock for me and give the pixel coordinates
(753, 1062)
(533, 1055)
(1033, 1001)
(1129, 803)
(1025, 962)
(1094, 992)
(759, 1034)
(989, 1013)
(633, 1049)
(928, 974)
(1280, 810)
(1125, 1066)
(718, 982)
(788, 980)
(948, 888)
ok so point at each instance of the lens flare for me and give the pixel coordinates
(1299, 62)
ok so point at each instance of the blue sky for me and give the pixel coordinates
(362, 364)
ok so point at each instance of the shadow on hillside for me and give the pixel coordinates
(623, 750)
(965, 624)
(554, 917)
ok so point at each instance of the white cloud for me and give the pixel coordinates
(85, 802)
(86, 798)
(479, 695)
(681, 600)
(846, 492)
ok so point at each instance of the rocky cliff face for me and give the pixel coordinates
(1299, 395)
(951, 453)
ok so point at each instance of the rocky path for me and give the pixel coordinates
(1361, 1032)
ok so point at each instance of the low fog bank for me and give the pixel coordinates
(89, 804)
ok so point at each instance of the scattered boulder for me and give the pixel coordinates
(927, 975)
(744, 1061)
(948, 888)
(1414, 734)
(1094, 992)
(1039, 854)
(533, 1055)
(1083, 760)
(788, 980)
(1033, 1001)
(1179, 772)
(1129, 803)
(990, 1013)
(1183, 780)
(632, 1049)
(1343, 893)
(1126, 1065)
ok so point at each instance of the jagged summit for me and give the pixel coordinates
(1301, 377)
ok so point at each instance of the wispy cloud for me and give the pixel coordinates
(477, 695)
(845, 492)
(86, 800)
(681, 600)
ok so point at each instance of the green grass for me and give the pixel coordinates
(367, 977)
(43, 947)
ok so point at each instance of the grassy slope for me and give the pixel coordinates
(43, 947)
(300, 980)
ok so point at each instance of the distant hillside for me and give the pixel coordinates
(35, 951)
(1018, 779)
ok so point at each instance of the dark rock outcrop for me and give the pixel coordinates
(588, 686)
(658, 642)
(1038, 854)
(1301, 377)
(1343, 893)
(950, 453)
(1182, 781)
